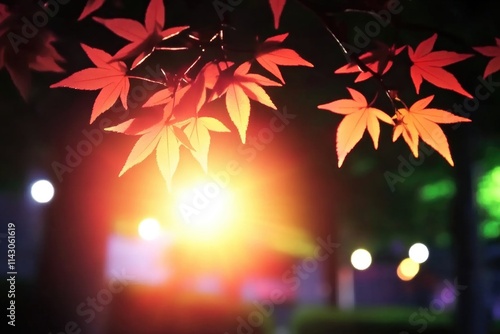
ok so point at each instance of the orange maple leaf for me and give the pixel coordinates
(163, 139)
(198, 131)
(277, 9)
(143, 38)
(419, 121)
(109, 76)
(359, 117)
(270, 55)
(428, 65)
(155, 134)
(239, 87)
(491, 51)
(379, 61)
(90, 7)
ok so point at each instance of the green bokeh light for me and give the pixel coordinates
(491, 229)
(488, 197)
(488, 194)
(437, 190)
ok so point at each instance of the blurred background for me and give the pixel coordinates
(276, 239)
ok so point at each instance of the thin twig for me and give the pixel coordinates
(351, 57)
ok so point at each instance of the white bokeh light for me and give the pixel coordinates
(419, 253)
(361, 259)
(149, 229)
(42, 191)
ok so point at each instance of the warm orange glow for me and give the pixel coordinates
(407, 269)
(240, 220)
(149, 229)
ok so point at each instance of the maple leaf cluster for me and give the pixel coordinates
(413, 123)
(174, 116)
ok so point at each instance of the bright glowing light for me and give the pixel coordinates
(419, 253)
(408, 269)
(42, 191)
(149, 229)
(206, 209)
(361, 259)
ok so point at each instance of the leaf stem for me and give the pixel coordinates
(171, 48)
(147, 79)
(402, 102)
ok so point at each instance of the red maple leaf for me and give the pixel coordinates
(143, 38)
(109, 76)
(379, 61)
(20, 55)
(491, 51)
(180, 104)
(160, 129)
(270, 55)
(90, 7)
(239, 87)
(277, 9)
(359, 117)
(4, 16)
(428, 65)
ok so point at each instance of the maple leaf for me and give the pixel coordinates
(270, 55)
(421, 122)
(159, 124)
(168, 154)
(143, 38)
(359, 117)
(20, 55)
(379, 61)
(212, 71)
(198, 131)
(491, 51)
(180, 104)
(239, 87)
(90, 7)
(164, 140)
(146, 119)
(4, 16)
(160, 136)
(428, 65)
(108, 76)
(277, 9)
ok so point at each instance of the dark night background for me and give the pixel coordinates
(62, 246)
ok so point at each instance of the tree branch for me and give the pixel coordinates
(352, 57)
